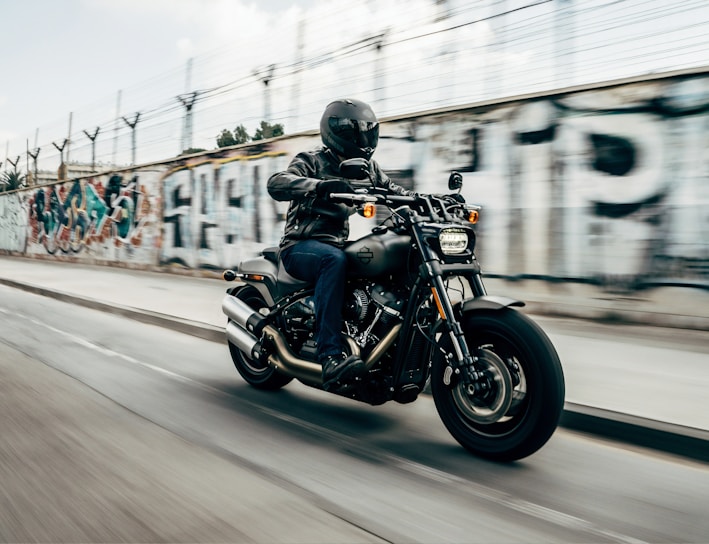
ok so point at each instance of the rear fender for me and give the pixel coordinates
(271, 280)
(259, 286)
(261, 274)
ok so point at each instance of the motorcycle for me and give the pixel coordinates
(417, 313)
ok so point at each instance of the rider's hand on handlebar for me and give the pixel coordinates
(453, 199)
(326, 187)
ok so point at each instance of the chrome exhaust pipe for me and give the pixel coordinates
(311, 372)
(246, 326)
(289, 363)
(243, 315)
(382, 346)
(242, 339)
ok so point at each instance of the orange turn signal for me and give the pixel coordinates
(369, 210)
(473, 216)
(438, 303)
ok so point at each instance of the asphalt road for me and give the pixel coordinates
(115, 430)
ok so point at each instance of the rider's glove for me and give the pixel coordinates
(452, 199)
(326, 187)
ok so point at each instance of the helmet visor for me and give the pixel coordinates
(363, 134)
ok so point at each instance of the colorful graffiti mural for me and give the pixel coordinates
(88, 216)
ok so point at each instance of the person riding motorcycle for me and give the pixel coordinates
(316, 229)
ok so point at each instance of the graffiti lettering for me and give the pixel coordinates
(219, 212)
(74, 217)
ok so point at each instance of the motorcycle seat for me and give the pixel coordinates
(271, 254)
(285, 283)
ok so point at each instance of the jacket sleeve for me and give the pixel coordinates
(385, 181)
(296, 182)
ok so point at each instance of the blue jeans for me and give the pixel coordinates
(325, 266)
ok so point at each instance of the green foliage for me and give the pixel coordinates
(267, 130)
(227, 137)
(12, 180)
(241, 136)
(192, 150)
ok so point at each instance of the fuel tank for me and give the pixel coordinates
(378, 254)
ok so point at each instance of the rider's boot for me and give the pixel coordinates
(339, 370)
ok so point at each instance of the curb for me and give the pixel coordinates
(186, 326)
(674, 439)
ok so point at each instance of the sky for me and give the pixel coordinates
(62, 56)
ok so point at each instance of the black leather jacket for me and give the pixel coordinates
(310, 217)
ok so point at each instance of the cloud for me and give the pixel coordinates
(186, 48)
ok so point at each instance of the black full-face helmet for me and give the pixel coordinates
(350, 128)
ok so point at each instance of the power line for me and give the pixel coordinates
(422, 55)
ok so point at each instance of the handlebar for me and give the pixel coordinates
(353, 197)
(363, 198)
(428, 204)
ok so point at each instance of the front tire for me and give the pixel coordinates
(259, 374)
(521, 408)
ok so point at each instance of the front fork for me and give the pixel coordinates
(464, 365)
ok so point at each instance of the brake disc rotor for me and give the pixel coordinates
(491, 405)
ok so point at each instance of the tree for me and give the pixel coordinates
(11, 180)
(227, 137)
(192, 150)
(267, 130)
(240, 135)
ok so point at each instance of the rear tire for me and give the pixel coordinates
(523, 406)
(259, 374)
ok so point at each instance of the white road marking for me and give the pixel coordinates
(479, 491)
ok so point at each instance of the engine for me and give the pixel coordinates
(299, 325)
(370, 313)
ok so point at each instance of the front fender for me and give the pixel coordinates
(486, 302)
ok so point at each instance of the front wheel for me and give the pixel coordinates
(522, 398)
(258, 374)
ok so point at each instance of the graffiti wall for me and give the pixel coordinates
(218, 212)
(607, 187)
(104, 218)
(13, 222)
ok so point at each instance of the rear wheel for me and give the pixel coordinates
(257, 373)
(520, 407)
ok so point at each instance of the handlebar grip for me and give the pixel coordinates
(353, 197)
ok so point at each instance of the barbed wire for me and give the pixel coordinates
(453, 56)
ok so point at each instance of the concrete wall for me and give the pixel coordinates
(596, 202)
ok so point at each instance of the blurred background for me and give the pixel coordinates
(580, 127)
(137, 135)
(91, 76)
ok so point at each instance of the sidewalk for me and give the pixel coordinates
(643, 385)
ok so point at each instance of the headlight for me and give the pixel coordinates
(453, 241)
